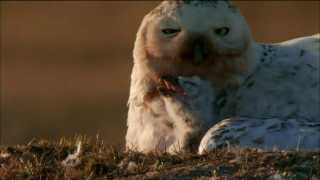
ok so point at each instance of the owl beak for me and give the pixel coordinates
(195, 49)
(199, 51)
(198, 54)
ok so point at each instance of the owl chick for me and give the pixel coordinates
(275, 106)
(174, 119)
(209, 44)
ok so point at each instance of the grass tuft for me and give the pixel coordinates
(44, 160)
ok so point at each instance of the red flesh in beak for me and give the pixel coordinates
(172, 85)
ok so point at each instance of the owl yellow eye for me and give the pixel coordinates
(222, 31)
(170, 31)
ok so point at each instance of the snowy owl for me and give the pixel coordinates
(197, 66)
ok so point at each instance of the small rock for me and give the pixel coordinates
(123, 164)
(132, 167)
(5, 155)
(275, 177)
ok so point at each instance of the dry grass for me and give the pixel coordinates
(43, 159)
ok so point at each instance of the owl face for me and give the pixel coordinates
(188, 38)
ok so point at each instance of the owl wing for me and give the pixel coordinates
(265, 134)
(309, 43)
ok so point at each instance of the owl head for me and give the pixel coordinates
(208, 38)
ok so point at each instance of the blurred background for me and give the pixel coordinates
(65, 66)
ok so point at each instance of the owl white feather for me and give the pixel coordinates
(196, 65)
(263, 133)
